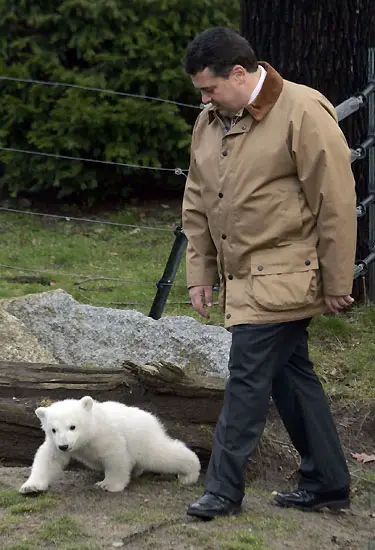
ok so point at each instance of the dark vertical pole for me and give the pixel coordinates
(165, 284)
(371, 161)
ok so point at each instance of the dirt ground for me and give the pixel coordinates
(150, 514)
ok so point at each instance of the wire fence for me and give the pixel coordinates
(177, 171)
(84, 279)
(86, 283)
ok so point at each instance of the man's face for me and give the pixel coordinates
(224, 93)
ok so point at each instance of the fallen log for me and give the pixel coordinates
(189, 407)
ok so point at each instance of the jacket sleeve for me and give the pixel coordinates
(322, 157)
(201, 264)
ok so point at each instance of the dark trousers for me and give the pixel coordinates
(273, 359)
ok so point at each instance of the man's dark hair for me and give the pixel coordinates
(219, 49)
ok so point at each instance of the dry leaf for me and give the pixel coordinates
(363, 457)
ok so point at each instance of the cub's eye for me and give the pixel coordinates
(72, 427)
(53, 430)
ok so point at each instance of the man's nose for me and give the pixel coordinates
(206, 98)
(63, 447)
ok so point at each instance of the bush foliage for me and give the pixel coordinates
(134, 46)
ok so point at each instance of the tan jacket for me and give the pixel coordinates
(270, 206)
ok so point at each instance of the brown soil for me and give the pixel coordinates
(151, 513)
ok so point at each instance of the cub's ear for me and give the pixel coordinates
(41, 412)
(87, 402)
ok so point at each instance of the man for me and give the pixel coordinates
(270, 206)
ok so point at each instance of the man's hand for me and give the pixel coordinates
(335, 303)
(201, 298)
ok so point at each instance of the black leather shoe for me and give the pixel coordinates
(308, 501)
(210, 506)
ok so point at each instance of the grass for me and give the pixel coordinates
(9, 497)
(342, 348)
(248, 531)
(91, 251)
(256, 526)
(227, 535)
(141, 514)
(16, 508)
(23, 545)
(28, 507)
(14, 503)
(245, 540)
(8, 524)
(65, 533)
(223, 537)
(275, 526)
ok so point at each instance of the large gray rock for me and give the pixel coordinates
(80, 334)
(18, 344)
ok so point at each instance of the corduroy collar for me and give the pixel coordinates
(266, 98)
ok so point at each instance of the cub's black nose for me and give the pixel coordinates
(63, 447)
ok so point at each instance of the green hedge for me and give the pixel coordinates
(131, 46)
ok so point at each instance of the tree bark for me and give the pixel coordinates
(323, 45)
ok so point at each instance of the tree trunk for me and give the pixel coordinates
(323, 45)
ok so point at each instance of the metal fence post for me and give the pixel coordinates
(165, 284)
(371, 187)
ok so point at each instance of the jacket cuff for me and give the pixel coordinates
(201, 277)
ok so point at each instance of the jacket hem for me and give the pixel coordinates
(265, 317)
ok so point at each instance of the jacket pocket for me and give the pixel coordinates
(284, 278)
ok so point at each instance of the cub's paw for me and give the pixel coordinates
(111, 487)
(33, 487)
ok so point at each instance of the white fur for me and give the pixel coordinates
(109, 436)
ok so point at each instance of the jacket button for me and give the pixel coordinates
(225, 153)
(230, 276)
(260, 268)
(307, 262)
(228, 316)
(224, 237)
(243, 128)
(221, 195)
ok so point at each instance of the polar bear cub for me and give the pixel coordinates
(108, 436)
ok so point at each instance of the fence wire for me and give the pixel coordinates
(85, 278)
(100, 90)
(87, 220)
(177, 171)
